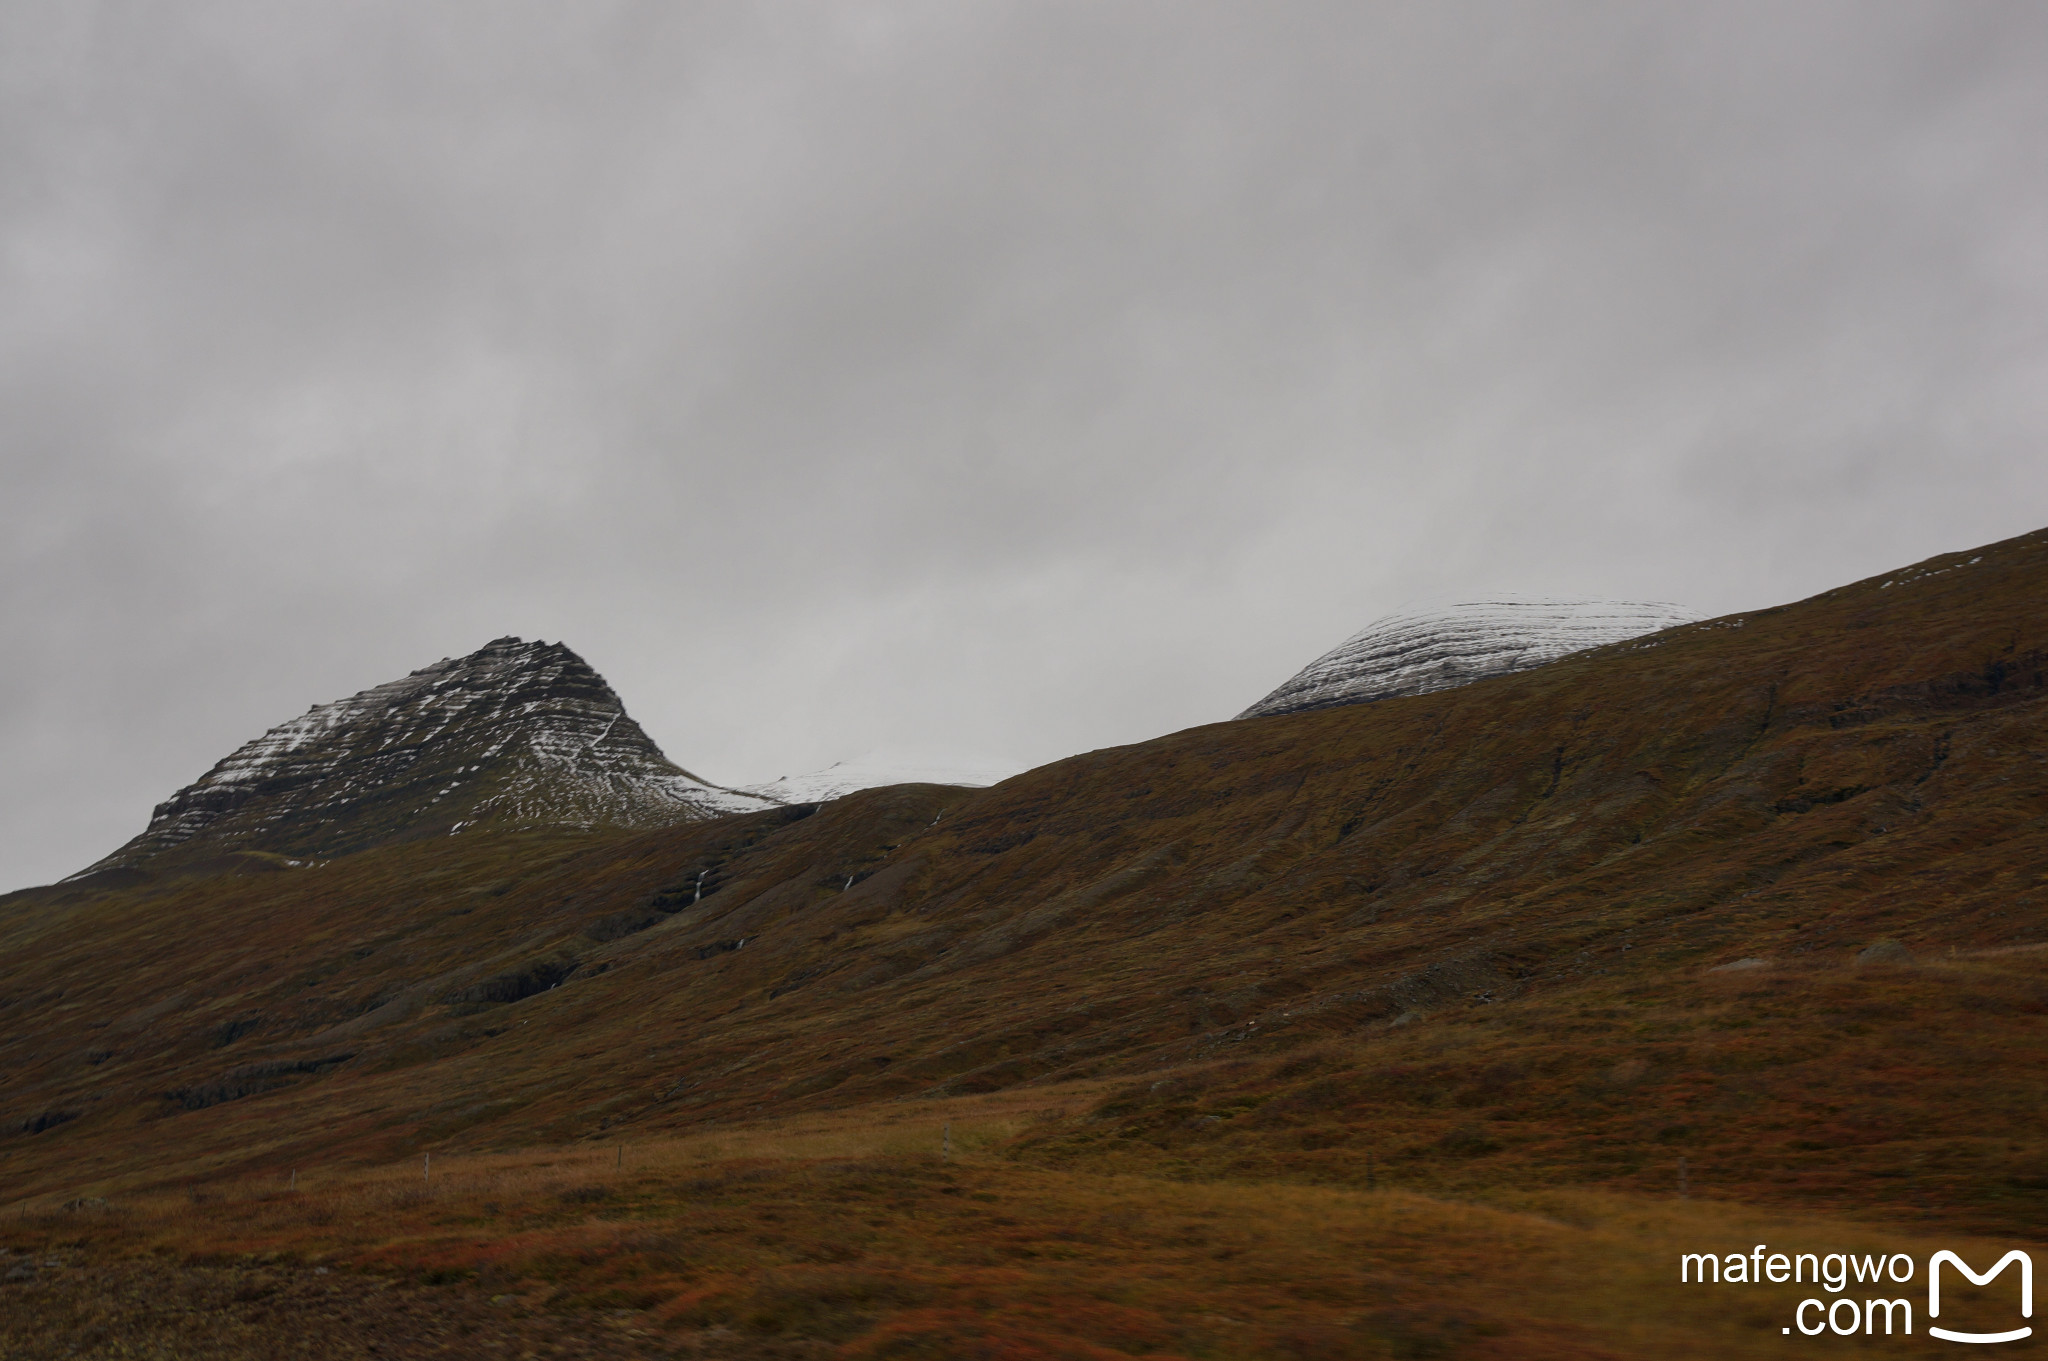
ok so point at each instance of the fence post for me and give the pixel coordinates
(1682, 1189)
(946, 1149)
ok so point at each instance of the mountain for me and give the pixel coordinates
(1252, 1039)
(1417, 652)
(876, 769)
(1807, 778)
(514, 735)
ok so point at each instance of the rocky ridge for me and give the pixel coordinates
(515, 734)
(1415, 652)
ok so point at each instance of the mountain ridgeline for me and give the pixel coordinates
(1487, 886)
(515, 734)
(528, 735)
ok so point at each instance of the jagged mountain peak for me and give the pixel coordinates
(1423, 649)
(513, 734)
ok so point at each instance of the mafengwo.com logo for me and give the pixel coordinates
(1869, 1293)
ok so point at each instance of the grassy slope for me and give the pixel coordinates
(1466, 934)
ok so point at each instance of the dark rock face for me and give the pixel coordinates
(514, 734)
(1416, 652)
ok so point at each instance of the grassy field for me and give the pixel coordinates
(1482, 1183)
(856, 1235)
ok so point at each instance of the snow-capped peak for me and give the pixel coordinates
(1419, 650)
(514, 734)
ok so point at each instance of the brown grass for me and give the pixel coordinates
(851, 1237)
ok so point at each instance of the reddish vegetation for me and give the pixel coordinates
(1467, 941)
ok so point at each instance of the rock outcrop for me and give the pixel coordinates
(1414, 652)
(515, 734)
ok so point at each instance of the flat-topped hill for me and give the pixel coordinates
(1418, 652)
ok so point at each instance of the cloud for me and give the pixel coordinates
(1019, 377)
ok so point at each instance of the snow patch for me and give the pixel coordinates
(876, 769)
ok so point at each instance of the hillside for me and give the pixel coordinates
(1759, 892)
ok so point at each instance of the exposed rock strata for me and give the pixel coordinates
(1415, 652)
(514, 734)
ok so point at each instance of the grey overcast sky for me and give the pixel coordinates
(1007, 379)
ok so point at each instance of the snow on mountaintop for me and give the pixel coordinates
(1417, 651)
(514, 734)
(873, 769)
